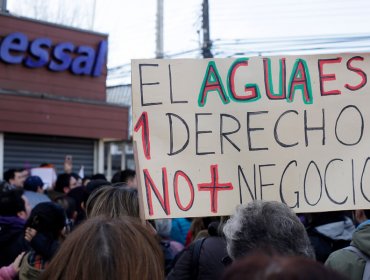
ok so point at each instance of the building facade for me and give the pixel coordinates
(53, 97)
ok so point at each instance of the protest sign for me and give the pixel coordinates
(47, 175)
(215, 133)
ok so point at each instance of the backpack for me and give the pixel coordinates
(195, 257)
(324, 245)
(366, 275)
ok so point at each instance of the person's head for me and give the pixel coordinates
(99, 176)
(323, 218)
(15, 177)
(113, 202)
(264, 267)
(86, 180)
(5, 186)
(65, 182)
(78, 179)
(102, 248)
(47, 218)
(266, 225)
(96, 184)
(69, 206)
(360, 216)
(34, 184)
(127, 176)
(80, 196)
(14, 203)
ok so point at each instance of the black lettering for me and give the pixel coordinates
(171, 89)
(146, 84)
(172, 152)
(198, 132)
(276, 135)
(353, 182)
(262, 185)
(305, 185)
(241, 174)
(225, 134)
(249, 130)
(362, 178)
(306, 128)
(325, 184)
(281, 186)
(361, 130)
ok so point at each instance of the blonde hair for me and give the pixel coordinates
(113, 202)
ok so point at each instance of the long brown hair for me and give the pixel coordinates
(113, 202)
(103, 248)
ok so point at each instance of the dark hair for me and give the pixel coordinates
(76, 176)
(322, 218)
(5, 186)
(123, 176)
(33, 183)
(63, 181)
(260, 266)
(10, 173)
(68, 204)
(367, 213)
(80, 195)
(113, 249)
(47, 217)
(96, 184)
(11, 202)
(116, 177)
(99, 176)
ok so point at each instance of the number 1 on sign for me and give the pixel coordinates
(144, 125)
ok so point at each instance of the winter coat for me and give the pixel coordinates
(31, 271)
(210, 265)
(7, 272)
(349, 263)
(12, 241)
(179, 230)
(330, 237)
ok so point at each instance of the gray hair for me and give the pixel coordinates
(266, 225)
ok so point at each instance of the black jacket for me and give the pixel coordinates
(12, 241)
(209, 264)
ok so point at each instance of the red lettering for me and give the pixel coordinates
(268, 79)
(358, 71)
(214, 187)
(143, 123)
(300, 79)
(212, 82)
(176, 190)
(150, 185)
(252, 88)
(327, 77)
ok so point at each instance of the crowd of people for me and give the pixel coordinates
(90, 228)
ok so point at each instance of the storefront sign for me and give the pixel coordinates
(16, 48)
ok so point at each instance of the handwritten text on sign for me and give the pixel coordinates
(215, 133)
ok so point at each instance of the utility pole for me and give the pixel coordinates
(92, 24)
(3, 6)
(207, 43)
(159, 28)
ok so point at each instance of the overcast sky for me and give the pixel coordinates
(131, 24)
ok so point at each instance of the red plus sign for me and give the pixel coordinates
(214, 187)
